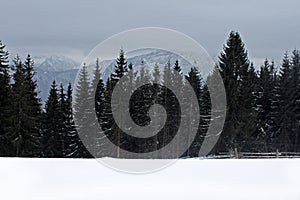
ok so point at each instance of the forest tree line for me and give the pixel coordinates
(263, 107)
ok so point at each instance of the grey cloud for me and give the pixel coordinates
(268, 27)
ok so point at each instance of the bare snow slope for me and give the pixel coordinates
(71, 179)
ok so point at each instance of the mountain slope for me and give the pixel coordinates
(59, 68)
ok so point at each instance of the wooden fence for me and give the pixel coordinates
(251, 155)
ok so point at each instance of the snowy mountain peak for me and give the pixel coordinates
(55, 63)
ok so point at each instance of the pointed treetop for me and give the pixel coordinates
(177, 66)
(3, 55)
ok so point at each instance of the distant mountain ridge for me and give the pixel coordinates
(49, 68)
(64, 70)
(55, 63)
(150, 58)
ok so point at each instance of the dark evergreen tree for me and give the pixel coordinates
(98, 89)
(274, 114)
(105, 119)
(156, 79)
(247, 109)
(142, 98)
(216, 116)
(286, 105)
(97, 97)
(195, 80)
(140, 104)
(177, 66)
(168, 100)
(25, 113)
(52, 125)
(295, 98)
(266, 98)
(63, 126)
(84, 112)
(177, 81)
(205, 118)
(239, 79)
(120, 70)
(157, 98)
(5, 92)
(72, 143)
(35, 110)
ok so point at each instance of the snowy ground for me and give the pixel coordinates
(67, 179)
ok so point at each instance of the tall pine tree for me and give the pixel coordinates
(52, 125)
(265, 99)
(5, 93)
(286, 106)
(72, 142)
(83, 112)
(25, 114)
(295, 100)
(195, 80)
(239, 79)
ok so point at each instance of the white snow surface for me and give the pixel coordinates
(82, 179)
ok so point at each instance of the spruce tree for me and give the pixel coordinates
(195, 80)
(142, 98)
(52, 125)
(83, 111)
(177, 81)
(5, 93)
(63, 126)
(35, 110)
(295, 115)
(25, 113)
(72, 142)
(205, 117)
(274, 114)
(120, 70)
(157, 98)
(284, 118)
(98, 89)
(239, 79)
(167, 98)
(105, 119)
(247, 110)
(140, 104)
(97, 99)
(266, 98)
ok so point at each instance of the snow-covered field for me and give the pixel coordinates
(70, 179)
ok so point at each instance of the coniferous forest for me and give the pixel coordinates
(263, 107)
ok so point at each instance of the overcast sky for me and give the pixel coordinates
(73, 28)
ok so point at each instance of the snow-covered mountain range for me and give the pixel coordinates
(55, 63)
(152, 57)
(64, 70)
(49, 68)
